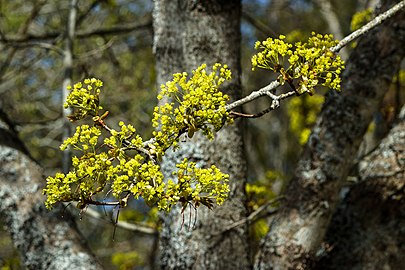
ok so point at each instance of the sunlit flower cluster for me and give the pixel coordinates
(272, 53)
(195, 185)
(197, 105)
(84, 139)
(84, 99)
(119, 161)
(310, 64)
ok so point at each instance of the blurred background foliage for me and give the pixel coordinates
(114, 43)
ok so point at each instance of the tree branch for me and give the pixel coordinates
(262, 27)
(274, 105)
(312, 195)
(114, 30)
(254, 95)
(267, 90)
(373, 23)
(123, 224)
(253, 216)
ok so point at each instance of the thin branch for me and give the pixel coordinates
(91, 53)
(373, 23)
(123, 224)
(253, 216)
(274, 105)
(22, 31)
(43, 45)
(114, 30)
(254, 95)
(268, 89)
(262, 27)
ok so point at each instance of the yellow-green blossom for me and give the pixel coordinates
(309, 64)
(197, 105)
(119, 160)
(84, 99)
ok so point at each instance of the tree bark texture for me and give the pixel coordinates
(368, 229)
(312, 195)
(188, 34)
(45, 239)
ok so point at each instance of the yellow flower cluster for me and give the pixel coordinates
(124, 163)
(315, 64)
(84, 139)
(272, 53)
(311, 63)
(84, 98)
(89, 176)
(196, 185)
(126, 137)
(199, 105)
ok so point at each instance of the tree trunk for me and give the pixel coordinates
(367, 231)
(188, 34)
(45, 239)
(300, 226)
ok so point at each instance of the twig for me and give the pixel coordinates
(254, 95)
(128, 145)
(252, 217)
(274, 105)
(114, 30)
(262, 27)
(373, 23)
(43, 45)
(123, 224)
(98, 50)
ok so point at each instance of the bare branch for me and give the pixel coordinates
(123, 224)
(254, 215)
(254, 95)
(274, 105)
(373, 23)
(43, 45)
(258, 25)
(114, 30)
(22, 31)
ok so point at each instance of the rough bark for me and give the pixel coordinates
(45, 239)
(187, 34)
(300, 226)
(367, 230)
